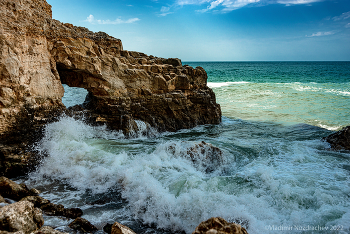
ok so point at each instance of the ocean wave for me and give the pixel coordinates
(221, 84)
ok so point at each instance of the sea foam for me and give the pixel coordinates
(264, 180)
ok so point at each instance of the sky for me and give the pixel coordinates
(219, 30)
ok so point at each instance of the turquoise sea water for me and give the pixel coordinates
(276, 174)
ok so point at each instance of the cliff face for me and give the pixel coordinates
(38, 54)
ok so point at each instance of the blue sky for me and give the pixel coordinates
(219, 30)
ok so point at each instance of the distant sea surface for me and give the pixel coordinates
(276, 176)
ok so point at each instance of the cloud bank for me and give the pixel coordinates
(91, 19)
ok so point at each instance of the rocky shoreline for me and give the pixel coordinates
(38, 54)
(21, 211)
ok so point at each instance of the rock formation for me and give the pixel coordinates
(118, 228)
(219, 226)
(340, 140)
(38, 54)
(20, 216)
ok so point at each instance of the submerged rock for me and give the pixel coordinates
(20, 216)
(204, 156)
(219, 226)
(80, 224)
(340, 140)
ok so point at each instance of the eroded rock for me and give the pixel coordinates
(12, 190)
(118, 228)
(219, 226)
(203, 155)
(20, 216)
(48, 230)
(38, 54)
(83, 225)
(340, 140)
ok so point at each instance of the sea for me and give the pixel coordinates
(277, 175)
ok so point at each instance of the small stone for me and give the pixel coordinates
(81, 224)
(219, 225)
(118, 228)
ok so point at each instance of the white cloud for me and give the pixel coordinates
(164, 11)
(296, 2)
(230, 5)
(344, 16)
(91, 19)
(320, 34)
(347, 26)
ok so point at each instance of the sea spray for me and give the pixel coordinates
(270, 175)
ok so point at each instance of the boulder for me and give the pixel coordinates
(20, 216)
(48, 230)
(204, 156)
(118, 228)
(219, 226)
(82, 225)
(12, 190)
(339, 140)
(36, 200)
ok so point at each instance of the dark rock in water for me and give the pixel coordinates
(20, 216)
(339, 140)
(220, 226)
(12, 190)
(53, 209)
(108, 228)
(72, 213)
(80, 224)
(36, 200)
(203, 155)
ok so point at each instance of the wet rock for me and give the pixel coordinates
(20, 216)
(219, 226)
(108, 228)
(80, 224)
(36, 200)
(339, 140)
(48, 230)
(118, 228)
(2, 200)
(72, 213)
(53, 209)
(203, 155)
(12, 190)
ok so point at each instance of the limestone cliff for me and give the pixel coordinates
(38, 54)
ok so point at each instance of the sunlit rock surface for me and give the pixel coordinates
(38, 54)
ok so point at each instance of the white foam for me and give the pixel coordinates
(288, 184)
(221, 84)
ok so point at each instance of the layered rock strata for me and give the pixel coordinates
(38, 54)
